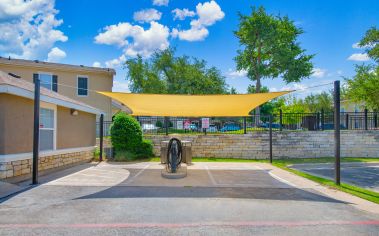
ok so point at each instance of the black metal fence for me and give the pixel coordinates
(241, 125)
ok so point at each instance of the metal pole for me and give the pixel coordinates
(280, 119)
(337, 133)
(101, 136)
(318, 121)
(322, 119)
(166, 124)
(36, 131)
(347, 121)
(376, 120)
(366, 120)
(244, 125)
(270, 126)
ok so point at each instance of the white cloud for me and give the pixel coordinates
(339, 72)
(142, 42)
(55, 55)
(28, 28)
(147, 15)
(208, 13)
(236, 74)
(192, 34)
(160, 2)
(96, 64)
(181, 14)
(318, 72)
(119, 86)
(294, 86)
(115, 62)
(358, 57)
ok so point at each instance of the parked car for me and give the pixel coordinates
(212, 128)
(149, 127)
(193, 127)
(230, 127)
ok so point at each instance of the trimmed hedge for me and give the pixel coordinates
(126, 137)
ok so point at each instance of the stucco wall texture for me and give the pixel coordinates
(16, 126)
(285, 144)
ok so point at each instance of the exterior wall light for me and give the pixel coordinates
(74, 112)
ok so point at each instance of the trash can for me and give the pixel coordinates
(186, 152)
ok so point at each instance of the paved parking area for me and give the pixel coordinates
(214, 199)
(365, 175)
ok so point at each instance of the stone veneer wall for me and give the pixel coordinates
(286, 144)
(24, 167)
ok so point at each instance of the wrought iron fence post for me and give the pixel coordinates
(244, 125)
(101, 136)
(347, 120)
(270, 136)
(337, 133)
(366, 119)
(166, 121)
(322, 119)
(376, 120)
(318, 121)
(280, 119)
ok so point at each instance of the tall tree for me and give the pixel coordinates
(166, 73)
(363, 87)
(270, 48)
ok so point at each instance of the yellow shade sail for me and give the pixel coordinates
(192, 105)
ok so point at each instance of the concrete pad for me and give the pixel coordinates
(7, 189)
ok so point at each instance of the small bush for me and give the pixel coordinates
(125, 156)
(126, 133)
(159, 124)
(145, 149)
(96, 154)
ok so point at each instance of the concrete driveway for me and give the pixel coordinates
(214, 199)
(365, 175)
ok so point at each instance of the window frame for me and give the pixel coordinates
(46, 73)
(54, 108)
(77, 85)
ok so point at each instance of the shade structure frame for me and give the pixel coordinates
(174, 105)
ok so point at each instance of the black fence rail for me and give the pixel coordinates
(242, 125)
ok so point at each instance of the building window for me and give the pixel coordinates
(82, 86)
(48, 81)
(47, 129)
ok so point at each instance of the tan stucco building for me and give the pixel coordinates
(67, 128)
(76, 82)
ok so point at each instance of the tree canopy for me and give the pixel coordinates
(270, 48)
(167, 73)
(363, 87)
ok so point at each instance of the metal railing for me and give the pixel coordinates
(242, 125)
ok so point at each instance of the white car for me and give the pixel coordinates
(147, 127)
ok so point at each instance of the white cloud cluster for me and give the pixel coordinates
(208, 13)
(134, 39)
(318, 73)
(358, 57)
(236, 73)
(55, 55)
(160, 2)
(147, 15)
(28, 28)
(181, 14)
(96, 64)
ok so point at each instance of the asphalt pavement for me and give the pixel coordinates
(365, 175)
(214, 199)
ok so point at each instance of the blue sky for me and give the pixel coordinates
(104, 33)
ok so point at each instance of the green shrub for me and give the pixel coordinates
(145, 149)
(96, 154)
(126, 133)
(159, 124)
(125, 156)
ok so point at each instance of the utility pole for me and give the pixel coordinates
(36, 130)
(337, 132)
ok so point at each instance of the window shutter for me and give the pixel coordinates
(55, 83)
(35, 76)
